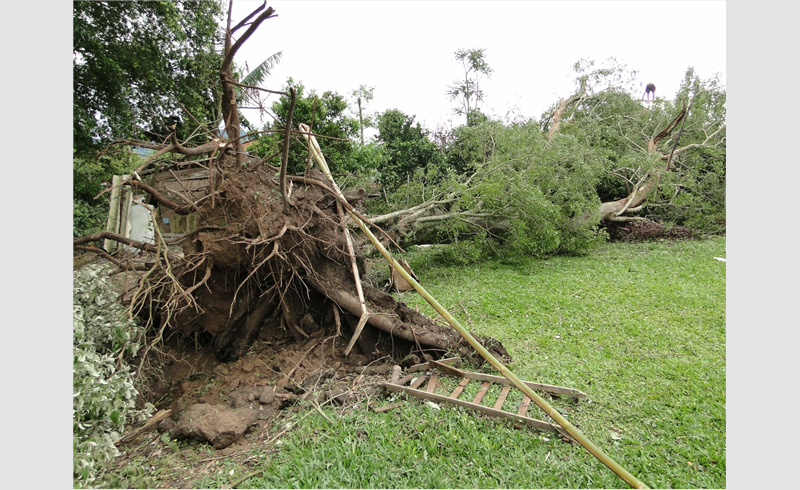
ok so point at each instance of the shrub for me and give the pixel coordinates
(103, 400)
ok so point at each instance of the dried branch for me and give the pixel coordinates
(99, 251)
(247, 19)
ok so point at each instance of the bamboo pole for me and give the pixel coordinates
(552, 412)
(320, 158)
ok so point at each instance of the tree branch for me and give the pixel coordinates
(560, 111)
(229, 53)
(103, 235)
(99, 251)
(666, 131)
(704, 144)
(178, 208)
(256, 88)
(250, 16)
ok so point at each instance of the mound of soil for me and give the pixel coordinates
(232, 405)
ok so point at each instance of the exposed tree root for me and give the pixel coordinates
(262, 255)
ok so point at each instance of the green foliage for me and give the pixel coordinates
(103, 401)
(134, 62)
(616, 129)
(524, 197)
(364, 160)
(327, 116)
(88, 175)
(406, 148)
(611, 74)
(693, 193)
(88, 218)
(467, 92)
(257, 75)
(472, 145)
(362, 96)
(518, 193)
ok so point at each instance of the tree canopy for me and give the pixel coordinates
(138, 64)
(467, 93)
(326, 114)
(406, 148)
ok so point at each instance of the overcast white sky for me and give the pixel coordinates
(405, 50)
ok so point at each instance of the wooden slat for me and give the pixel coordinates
(500, 379)
(418, 382)
(459, 388)
(539, 424)
(481, 392)
(498, 405)
(432, 383)
(523, 406)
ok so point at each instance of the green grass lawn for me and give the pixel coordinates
(640, 328)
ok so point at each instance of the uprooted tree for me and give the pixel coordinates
(599, 158)
(269, 250)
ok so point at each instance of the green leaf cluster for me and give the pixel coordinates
(90, 176)
(541, 198)
(618, 128)
(406, 148)
(326, 114)
(104, 395)
(135, 63)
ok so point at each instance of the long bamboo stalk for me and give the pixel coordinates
(320, 158)
(552, 412)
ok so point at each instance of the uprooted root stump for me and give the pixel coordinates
(256, 262)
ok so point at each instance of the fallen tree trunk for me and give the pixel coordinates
(621, 209)
(400, 321)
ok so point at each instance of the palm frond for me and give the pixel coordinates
(262, 71)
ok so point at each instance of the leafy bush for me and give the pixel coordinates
(88, 218)
(542, 194)
(405, 147)
(88, 174)
(104, 341)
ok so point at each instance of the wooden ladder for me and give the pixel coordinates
(520, 413)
